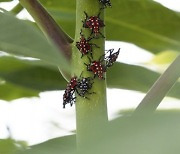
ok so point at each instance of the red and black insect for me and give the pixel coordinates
(111, 58)
(94, 23)
(69, 94)
(68, 97)
(97, 67)
(105, 3)
(81, 86)
(84, 85)
(85, 46)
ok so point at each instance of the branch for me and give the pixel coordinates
(160, 88)
(48, 26)
(18, 8)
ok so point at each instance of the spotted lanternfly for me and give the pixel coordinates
(96, 67)
(94, 23)
(81, 86)
(111, 58)
(84, 85)
(105, 3)
(73, 83)
(85, 46)
(68, 97)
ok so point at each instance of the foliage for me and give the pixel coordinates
(142, 134)
(62, 11)
(28, 66)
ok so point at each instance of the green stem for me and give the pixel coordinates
(91, 113)
(48, 26)
(18, 8)
(51, 29)
(160, 88)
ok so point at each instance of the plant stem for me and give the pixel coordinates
(160, 88)
(18, 8)
(48, 26)
(91, 113)
(51, 29)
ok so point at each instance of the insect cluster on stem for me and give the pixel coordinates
(83, 85)
(80, 85)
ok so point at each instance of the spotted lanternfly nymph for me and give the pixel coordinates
(111, 58)
(81, 86)
(68, 97)
(85, 46)
(84, 85)
(97, 67)
(105, 3)
(94, 23)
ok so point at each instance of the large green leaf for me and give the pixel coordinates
(20, 38)
(31, 74)
(130, 77)
(9, 91)
(137, 78)
(7, 146)
(10, 146)
(156, 134)
(165, 57)
(37, 76)
(62, 145)
(144, 23)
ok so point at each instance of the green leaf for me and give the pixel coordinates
(7, 146)
(31, 74)
(137, 78)
(156, 134)
(21, 38)
(36, 76)
(9, 91)
(130, 77)
(62, 145)
(165, 57)
(147, 24)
